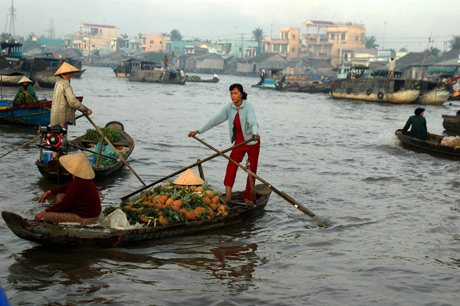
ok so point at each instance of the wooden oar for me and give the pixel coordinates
(21, 146)
(280, 193)
(116, 151)
(199, 162)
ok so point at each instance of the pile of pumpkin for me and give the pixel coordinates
(171, 204)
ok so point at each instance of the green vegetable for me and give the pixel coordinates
(93, 134)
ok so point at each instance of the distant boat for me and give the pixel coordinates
(451, 123)
(40, 69)
(358, 84)
(157, 76)
(124, 68)
(195, 78)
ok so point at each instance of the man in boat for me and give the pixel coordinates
(26, 93)
(166, 62)
(418, 123)
(243, 125)
(64, 102)
(77, 201)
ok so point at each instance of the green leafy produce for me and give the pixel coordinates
(93, 134)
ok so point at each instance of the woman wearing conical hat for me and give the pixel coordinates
(64, 102)
(77, 201)
(26, 93)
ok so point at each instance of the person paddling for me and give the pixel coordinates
(242, 126)
(418, 123)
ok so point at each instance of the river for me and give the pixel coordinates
(394, 214)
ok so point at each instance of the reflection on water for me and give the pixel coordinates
(394, 213)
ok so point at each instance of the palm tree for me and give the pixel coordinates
(175, 35)
(371, 43)
(455, 43)
(258, 35)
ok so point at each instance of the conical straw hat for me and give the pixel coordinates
(66, 68)
(188, 178)
(24, 80)
(78, 165)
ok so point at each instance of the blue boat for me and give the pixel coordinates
(269, 79)
(29, 115)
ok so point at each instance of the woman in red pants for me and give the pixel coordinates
(242, 125)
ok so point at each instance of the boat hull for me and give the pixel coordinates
(434, 97)
(156, 76)
(28, 115)
(53, 170)
(399, 97)
(431, 146)
(451, 123)
(103, 237)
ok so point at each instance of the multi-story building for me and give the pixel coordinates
(289, 44)
(153, 43)
(96, 37)
(325, 39)
(237, 48)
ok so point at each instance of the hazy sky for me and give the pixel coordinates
(395, 23)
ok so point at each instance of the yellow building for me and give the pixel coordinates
(325, 39)
(153, 43)
(96, 37)
(289, 44)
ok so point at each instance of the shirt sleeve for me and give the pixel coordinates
(408, 124)
(252, 121)
(219, 118)
(73, 102)
(66, 203)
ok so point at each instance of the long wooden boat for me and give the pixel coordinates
(309, 87)
(451, 123)
(53, 170)
(431, 146)
(197, 79)
(157, 76)
(29, 115)
(105, 237)
(433, 97)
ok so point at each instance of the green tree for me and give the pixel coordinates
(370, 43)
(258, 35)
(433, 50)
(403, 49)
(175, 35)
(455, 43)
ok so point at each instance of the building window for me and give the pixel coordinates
(342, 37)
(332, 36)
(151, 42)
(357, 38)
(363, 38)
(177, 48)
(293, 50)
(293, 36)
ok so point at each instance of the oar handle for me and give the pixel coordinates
(114, 149)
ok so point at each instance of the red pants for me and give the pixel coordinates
(238, 155)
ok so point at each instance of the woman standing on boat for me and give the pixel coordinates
(242, 125)
(64, 102)
(77, 201)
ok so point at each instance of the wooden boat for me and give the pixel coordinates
(157, 76)
(433, 97)
(104, 237)
(431, 146)
(53, 170)
(451, 123)
(311, 87)
(197, 79)
(124, 68)
(398, 91)
(29, 115)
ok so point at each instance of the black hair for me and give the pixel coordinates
(240, 88)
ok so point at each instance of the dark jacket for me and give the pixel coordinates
(418, 129)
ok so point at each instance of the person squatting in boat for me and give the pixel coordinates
(77, 201)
